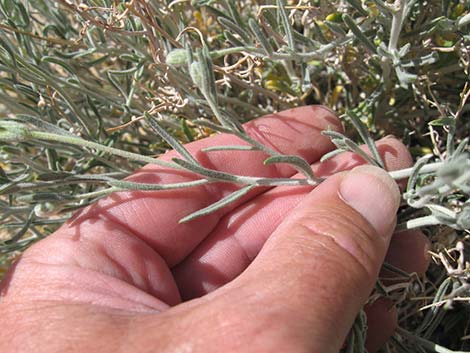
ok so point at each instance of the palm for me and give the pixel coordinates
(128, 251)
(199, 256)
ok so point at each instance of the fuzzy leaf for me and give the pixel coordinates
(173, 142)
(359, 34)
(366, 137)
(286, 24)
(219, 204)
(299, 163)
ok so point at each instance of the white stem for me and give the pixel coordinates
(406, 173)
(417, 223)
(397, 23)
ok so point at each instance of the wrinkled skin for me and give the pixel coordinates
(284, 269)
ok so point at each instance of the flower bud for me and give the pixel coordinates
(46, 209)
(196, 73)
(177, 57)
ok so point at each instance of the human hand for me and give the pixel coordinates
(285, 269)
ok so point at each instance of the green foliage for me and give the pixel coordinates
(91, 91)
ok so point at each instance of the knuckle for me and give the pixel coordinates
(345, 235)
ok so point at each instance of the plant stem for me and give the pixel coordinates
(397, 23)
(405, 173)
(114, 151)
(306, 56)
(418, 223)
(398, 174)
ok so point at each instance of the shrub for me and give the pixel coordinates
(92, 90)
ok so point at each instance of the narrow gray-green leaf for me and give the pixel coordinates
(300, 38)
(43, 125)
(319, 34)
(229, 148)
(232, 26)
(219, 204)
(415, 172)
(335, 27)
(262, 38)
(421, 61)
(298, 163)
(202, 74)
(123, 184)
(211, 125)
(57, 61)
(358, 6)
(359, 34)
(286, 24)
(205, 57)
(124, 72)
(330, 154)
(173, 142)
(233, 40)
(354, 147)
(130, 185)
(232, 8)
(209, 173)
(433, 310)
(460, 148)
(22, 231)
(333, 134)
(368, 140)
(6, 45)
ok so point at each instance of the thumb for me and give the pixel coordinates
(319, 266)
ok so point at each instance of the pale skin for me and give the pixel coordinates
(285, 269)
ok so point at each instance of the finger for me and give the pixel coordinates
(409, 252)
(382, 320)
(319, 266)
(154, 216)
(240, 235)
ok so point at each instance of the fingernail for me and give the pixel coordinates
(389, 137)
(374, 194)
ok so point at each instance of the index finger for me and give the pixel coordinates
(153, 215)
